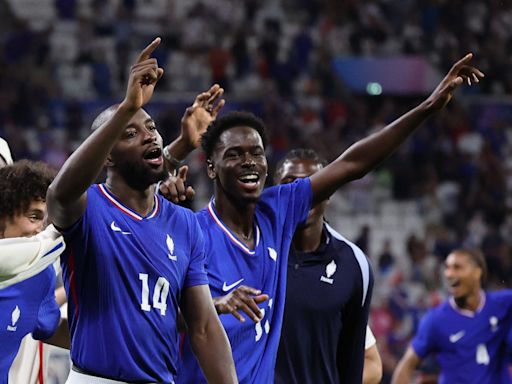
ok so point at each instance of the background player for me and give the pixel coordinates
(324, 326)
(468, 332)
(248, 233)
(132, 256)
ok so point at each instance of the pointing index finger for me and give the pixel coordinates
(146, 52)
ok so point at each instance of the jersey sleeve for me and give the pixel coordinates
(369, 340)
(423, 341)
(196, 273)
(49, 314)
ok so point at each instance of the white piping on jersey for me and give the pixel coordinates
(126, 210)
(467, 312)
(360, 257)
(237, 242)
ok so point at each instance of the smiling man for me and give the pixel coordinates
(249, 229)
(467, 332)
(132, 256)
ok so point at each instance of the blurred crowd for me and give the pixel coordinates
(58, 68)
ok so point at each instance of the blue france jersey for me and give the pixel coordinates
(230, 264)
(123, 275)
(26, 307)
(470, 347)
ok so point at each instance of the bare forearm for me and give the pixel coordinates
(213, 352)
(403, 373)
(88, 160)
(371, 151)
(368, 153)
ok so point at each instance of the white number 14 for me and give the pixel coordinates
(159, 294)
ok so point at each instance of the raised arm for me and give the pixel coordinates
(207, 336)
(194, 123)
(66, 196)
(369, 152)
(406, 367)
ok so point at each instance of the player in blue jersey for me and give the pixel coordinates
(324, 326)
(249, 230)
(132, 256)
(468, 332)
(27, 298)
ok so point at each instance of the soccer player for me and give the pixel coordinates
(249, 230)
(468, 332)
(27, 299)
(132, 256)
(324, 326)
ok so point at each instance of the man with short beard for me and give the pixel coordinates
(132, 257)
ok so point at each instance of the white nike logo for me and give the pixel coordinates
(173, 258)
(226, 288)
(457, 336)
(115, 228)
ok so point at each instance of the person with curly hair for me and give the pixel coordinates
(27, 295)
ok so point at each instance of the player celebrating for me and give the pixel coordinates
(467, 332)
(132, 257)
(249, 230)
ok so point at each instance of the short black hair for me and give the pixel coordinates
(302, 154)
(477, 257)
(20, 184)
(230, 120)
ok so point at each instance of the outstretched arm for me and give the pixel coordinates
(207, 336)
(369, 152)
(66, 195)
(405, 368)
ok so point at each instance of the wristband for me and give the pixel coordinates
(174, 161)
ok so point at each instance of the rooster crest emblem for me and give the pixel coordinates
(170, 246)
(330, 270)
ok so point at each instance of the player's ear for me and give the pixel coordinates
(210, 169)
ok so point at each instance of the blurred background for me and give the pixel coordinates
(322, 74)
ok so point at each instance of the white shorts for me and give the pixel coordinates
(82, 378)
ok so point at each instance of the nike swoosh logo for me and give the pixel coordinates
(456, 336)
(226, 288)
(115, 228)
(173, 258)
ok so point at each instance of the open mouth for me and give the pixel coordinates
(154, 156)
(249, 179)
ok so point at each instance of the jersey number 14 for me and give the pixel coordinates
(160, 293)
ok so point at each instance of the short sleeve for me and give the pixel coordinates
(196, 273)
(423, 341)
(369, 339)
(49, 314)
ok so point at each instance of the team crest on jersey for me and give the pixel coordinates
(330, 270)
(272, 253)
(15, 316)
(493, 322)
(170, 248)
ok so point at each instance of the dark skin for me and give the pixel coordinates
(310, 236)
(236, 207)
(123, 144)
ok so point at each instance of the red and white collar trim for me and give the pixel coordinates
(110, 197)
(467, 312)
(230, 235)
